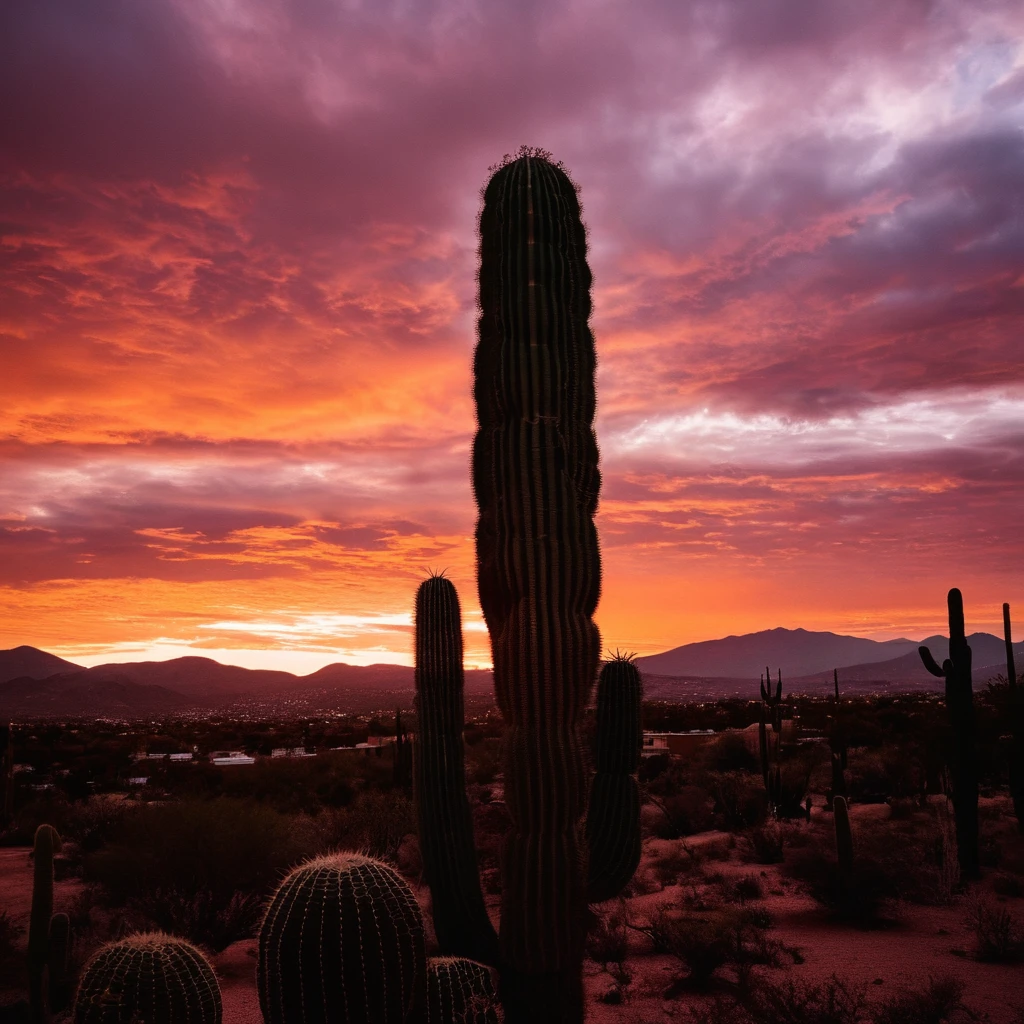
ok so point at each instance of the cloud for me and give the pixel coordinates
(237, 261)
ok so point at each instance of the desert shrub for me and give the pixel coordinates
(729, 752)
(679, 860)
(688, 810)
(760, 1000)
(865, 898)
(939, 1002)
(10, 935)
(375, 824)
(748, 887)
(607, 937)
(707, 940)
(703, 943)
(766, 843)
(997, 933)
(200, 917)
(1005, 884)
(220, 846)
(740, 799)
(483, 762)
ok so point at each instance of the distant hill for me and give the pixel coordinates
(32, 663)
(35, 683)
(802, 654)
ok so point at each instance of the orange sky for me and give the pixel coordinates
(237, 287)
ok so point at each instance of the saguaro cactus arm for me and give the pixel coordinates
(445, 821)
(613, 816)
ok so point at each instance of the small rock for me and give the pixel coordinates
(611, 996)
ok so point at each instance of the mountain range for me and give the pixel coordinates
(34, 683)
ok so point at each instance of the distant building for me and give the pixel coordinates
(138, 780)
(290, 752)
(226, 758)
(676, 744)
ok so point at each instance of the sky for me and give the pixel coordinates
(237, 313)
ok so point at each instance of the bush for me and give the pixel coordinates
(748, 888)
(607, 938)
(729, 753)
(375, 824)
(940, 1001)
(763, 1001)
(219, 846)
(201, 917)
(766, 843)
(998, 936)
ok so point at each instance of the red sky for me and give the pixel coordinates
(237, 286)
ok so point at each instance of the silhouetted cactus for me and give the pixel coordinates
(446, 825)
(460, 991)
(48, 934)
(402, 766)
(956, 670)
(1016, 725)
(342, 943)
(152, 978)
(844, 841)
(613, 814)
(6, 775)
(536, 481)
(772, 701)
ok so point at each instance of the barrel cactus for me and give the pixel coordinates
(342, 942)
(461, 991)
(149, 977)
(956, 671)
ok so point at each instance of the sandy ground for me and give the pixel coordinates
(922, 945)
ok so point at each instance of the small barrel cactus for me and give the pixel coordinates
(149, 977)
(342, 942)
(461, 991)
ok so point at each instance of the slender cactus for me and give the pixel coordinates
(613, 816)
(47, 960)
(152, 978)
(446, 824)
(342, 942)
(6, 775)
(844, 841)
(1016, 725)
(536, 481)
(956, 670)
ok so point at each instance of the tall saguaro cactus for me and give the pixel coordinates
(956, 670)
(1016, 725)
(536, 481)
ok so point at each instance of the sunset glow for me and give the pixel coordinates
(237, 314)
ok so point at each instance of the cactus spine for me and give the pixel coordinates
(1016, 725)
(536, 481)
(613, 817)
(48, 933)
(460, 991)
(6, 775)
(446, 825)
(150, 977)
(956, 670)
(342, 942)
